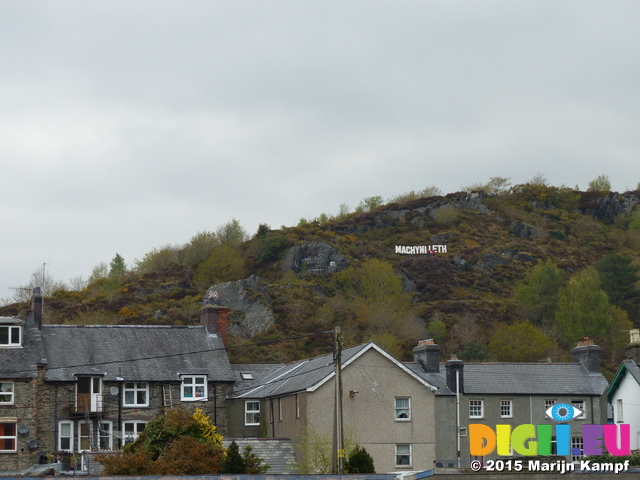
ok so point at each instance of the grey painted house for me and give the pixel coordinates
(508, 393)
(388, 408)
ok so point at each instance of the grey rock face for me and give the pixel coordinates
(247, 301)
(314, 257)
(523, 230)
(607, 207)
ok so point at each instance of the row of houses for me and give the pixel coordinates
(87, 388)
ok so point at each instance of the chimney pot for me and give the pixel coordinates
(427, 354)
(588, 354)
(216, 320)
(452, 366)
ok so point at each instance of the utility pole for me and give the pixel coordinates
(337, 456)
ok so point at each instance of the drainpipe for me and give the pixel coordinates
(458, 414)
(273, 420)
(215, 405)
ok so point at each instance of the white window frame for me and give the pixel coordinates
(8, 394)
(13, 438)
(193, 383)
(506, 408)
(577, 442)
(10, 329)
(473, 405)
(135, 430)
(400, 455)
(619, 416)
(579, 403)
(399, 409)
(68, 435)
(135, 388)
(104, 435)
(251, 413)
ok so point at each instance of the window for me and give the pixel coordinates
(576, 443)
(194, 387)
(579, 404)
(252, 412)
(6, 393)
(280, 409)
(549, 403)
(403, 408)
(297, 406)
(136, 394)
(65, 436)
(403, 455)
(619, 415)
(506, 409)
(246, 376)
(8, 437)
(89, 439)
(132, 430)
(10, 336)
(476, 409)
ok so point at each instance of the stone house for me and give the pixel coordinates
(22, 365)
(77, 388)
(387, 408)
(508, 393)
(623, 393)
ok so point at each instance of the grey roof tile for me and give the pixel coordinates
(299, 376)
(135, 353)
(22, 362)
(258, 372)
(278, 453)
(520, 379)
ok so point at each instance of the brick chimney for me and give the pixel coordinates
(588, 354)
(37, 307)
(452, 366)
(216, 319)
(632, 351)
(427, 354)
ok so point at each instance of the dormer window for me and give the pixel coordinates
(10, 336)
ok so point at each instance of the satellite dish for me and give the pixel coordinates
(33, 444)
(23, 429)
(114, 391)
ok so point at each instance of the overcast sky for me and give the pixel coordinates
(129, 125)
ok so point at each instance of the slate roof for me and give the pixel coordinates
(278, 453)
(258, 372)
(22, 362)
(521, 379)
(307, 375)
(134, 352)
(436, 379)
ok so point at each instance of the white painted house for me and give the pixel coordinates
(624, 391)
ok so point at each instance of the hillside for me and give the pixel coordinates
(346, 271)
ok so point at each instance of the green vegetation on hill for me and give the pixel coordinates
(552, 262)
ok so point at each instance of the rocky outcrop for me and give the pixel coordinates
(314, 257)
(608, 206)
(248, 303)
(523, 230)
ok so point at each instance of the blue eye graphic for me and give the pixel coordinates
(562, 412)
